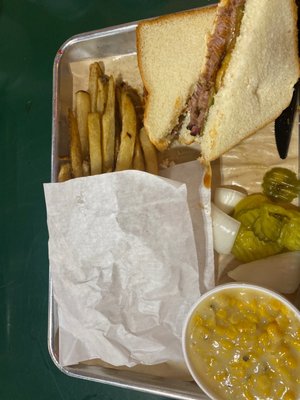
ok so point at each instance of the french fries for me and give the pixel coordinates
(65, 172)
(86, 168)
(108, 128)
(128, 133)
(105, 130)
(102, 94)
(150, 153)
(138, 157)
(75, 150)
(82, 108)
(95, 73)
(94, 129)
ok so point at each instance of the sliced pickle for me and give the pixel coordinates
(281, 212)
(281, 184)
(250, 202)
(248, 247)
(248, 217)
(267, 226)
(290, 235)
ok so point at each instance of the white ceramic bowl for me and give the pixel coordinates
(218, 289)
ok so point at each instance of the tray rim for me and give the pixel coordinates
(82, 37)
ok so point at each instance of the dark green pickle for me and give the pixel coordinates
(281, 185)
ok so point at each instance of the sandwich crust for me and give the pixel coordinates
(170, 50)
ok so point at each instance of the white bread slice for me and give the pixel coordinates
(171, 53)
(258, 84)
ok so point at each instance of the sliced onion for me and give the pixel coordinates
(225, 230)
(280, 272)
(226, 198)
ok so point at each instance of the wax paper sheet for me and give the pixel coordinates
(125, 262)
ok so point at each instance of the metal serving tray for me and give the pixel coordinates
(115, 41)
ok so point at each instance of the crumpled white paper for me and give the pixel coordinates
(124, 263)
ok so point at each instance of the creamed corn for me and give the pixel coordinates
(246, 345)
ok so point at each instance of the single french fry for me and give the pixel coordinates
(119, 91)
(108, 128)
(65, 172)
(138, 157)
(64, 158)
(86, 168)
(75, 146)
(150, 153)
(94, 129)
(118, 121)
(95, 73)
(128, 134)
(102, 95)
(83, 107)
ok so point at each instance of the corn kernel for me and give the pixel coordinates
(234, 318)
(279, 390)
(263, 313)
(284, 373)
(231, 332)
(224, 300)
(201, 332)
(221, 313)
(263, 385)
(295, 344)
(252, 317)
(247, 395)
(283, 350)
(274, 331)
(252, 304)
(240, 305)
(254, 356)
(220, 330)
(237, 370)
(233, 301)
(197, 320)
(282, 321)
(210, 322)
(243, 341)
(290, 361)
(276, 305)
(264, 339)
(246, 326)
(226, 344)
(289, 395)
(211, 361)
(221, 376)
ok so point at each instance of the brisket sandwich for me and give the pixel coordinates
(218, 74)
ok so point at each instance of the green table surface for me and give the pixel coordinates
(31, 32)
